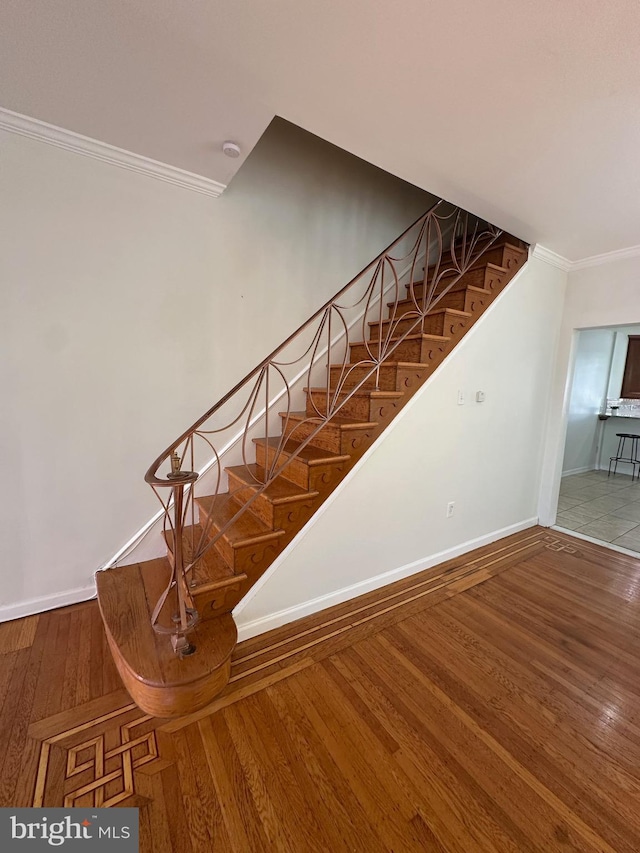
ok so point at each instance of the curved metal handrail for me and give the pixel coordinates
(443, 231)
(151, 475)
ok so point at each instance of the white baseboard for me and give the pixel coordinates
(254, 627)
(579, 470)
(46, 602)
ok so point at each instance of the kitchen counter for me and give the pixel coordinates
(623, 412)
(610, 427)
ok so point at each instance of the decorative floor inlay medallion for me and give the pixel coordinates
(95, 758)
(554, 544)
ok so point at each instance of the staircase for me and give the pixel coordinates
(168, 621)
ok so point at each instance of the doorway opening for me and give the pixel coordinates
(600, 498)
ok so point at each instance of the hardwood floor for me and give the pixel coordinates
(488, 704)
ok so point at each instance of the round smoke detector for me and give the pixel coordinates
(231, 149)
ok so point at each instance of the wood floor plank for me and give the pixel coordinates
(577, 775)
(342, 828)
(389, 801)
(241, 817)
(275, 753)
(349, 812)
(17, 634)
(281, 834)
(581, 829)
(499, 658)
(471, 765)
(210, 813)
(435, 772)
(179, 827)
(155, 831)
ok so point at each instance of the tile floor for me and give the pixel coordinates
(606, 508)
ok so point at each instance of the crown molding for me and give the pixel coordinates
(70, 141)
(606, 258)
(548, 257)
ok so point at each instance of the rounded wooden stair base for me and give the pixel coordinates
(159, 682)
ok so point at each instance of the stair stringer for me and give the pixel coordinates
(288, 572)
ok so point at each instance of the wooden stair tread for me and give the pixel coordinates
(362, 392)
(410, 365)
(280, 491)
(148, 656)
(244, 530)
(342, 423)
(309, 454)
(414, 337)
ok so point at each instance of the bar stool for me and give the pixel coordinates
(620, 457)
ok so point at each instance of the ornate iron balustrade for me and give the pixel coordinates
(446, 241)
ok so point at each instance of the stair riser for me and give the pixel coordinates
(214, 602)
(412, 326)
(211, 603)
(312, 477)
(388, 378)
(378, 411)
(253, 560)
(420, 352)
(484, 278)
(444, 323)
(290, 517)
(275, 515)
(465, 300)
(328, 437)
(244, 558)
(358, 408)
(417, 291)
(505, 256)
(504, 248)
(261, 507)
(392, 378)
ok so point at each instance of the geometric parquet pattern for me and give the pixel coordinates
(488, 704)
(101, 757)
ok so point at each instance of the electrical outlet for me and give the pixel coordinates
(450, 507)
(461, 398)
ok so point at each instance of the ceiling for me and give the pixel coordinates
(527, 113)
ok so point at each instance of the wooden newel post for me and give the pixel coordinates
(186, 616)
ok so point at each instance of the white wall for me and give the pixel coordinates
(594, 351)
(130, 306)
(387, 519)
(606, 294)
